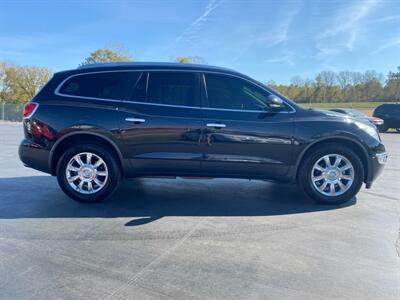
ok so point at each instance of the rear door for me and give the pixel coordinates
(243, 136)
(160, 124)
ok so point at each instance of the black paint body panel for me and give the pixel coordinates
(177, 141)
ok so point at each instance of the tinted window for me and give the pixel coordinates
(139, 92)
(234, 93)
(108, 85)
(172, 88)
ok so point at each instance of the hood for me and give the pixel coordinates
(337, 116)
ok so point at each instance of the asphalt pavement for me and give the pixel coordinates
(200, 239)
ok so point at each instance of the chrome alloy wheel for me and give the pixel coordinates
(86, 173)
(332, 175)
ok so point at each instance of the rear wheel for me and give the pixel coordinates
(332, 174)
(88, 173)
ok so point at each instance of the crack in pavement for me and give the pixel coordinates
(157, 260)
(397, 242)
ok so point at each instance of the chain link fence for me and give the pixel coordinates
(10, 112)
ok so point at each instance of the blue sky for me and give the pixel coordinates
(269, 40)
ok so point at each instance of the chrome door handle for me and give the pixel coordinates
(216, 125)
(136, 120)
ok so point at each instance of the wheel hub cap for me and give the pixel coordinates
(332, 175)
(86, 173)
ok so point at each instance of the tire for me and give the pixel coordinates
(315, 160)
(383, 128)
(104, 179)
(398, 130)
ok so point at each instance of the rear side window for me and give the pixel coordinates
(233, 93)
(107, 85)
(172, 88)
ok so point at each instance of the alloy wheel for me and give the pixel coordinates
(86, 173)
(332, 175)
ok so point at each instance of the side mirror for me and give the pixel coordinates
(274, 102)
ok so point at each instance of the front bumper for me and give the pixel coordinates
(382, 158)
(34, 155)
(376, 165)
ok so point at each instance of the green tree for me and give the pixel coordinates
(344, 86)
(183, 60)
(3, 66)
(190, 59)
(103, 55)
(394, 75)
(21, 83)
(392, 87)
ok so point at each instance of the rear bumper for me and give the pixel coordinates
(34, 156)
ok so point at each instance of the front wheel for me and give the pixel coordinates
(88, 173)
(331, 174)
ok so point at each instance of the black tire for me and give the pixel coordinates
(383, 128)
(305, 173)
(110, 183)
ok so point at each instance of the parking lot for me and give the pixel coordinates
(181, 238)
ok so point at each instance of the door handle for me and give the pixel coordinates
(216, 125)
(136, 120)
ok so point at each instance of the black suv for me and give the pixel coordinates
(390, 114)
(97, 124)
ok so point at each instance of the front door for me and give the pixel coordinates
(160, 125)
(243, 136)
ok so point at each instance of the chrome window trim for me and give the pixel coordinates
(248, 110)
(57, 90)
(167, 105)
(89, 98)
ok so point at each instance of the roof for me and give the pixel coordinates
(153, 65)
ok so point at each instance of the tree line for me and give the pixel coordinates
(344, 86)
(19, 83)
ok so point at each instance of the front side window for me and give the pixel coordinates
(172, 88)
(233, 93)
(107, 85)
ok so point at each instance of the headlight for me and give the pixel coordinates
(371, 130)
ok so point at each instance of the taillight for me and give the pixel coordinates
(29, 109)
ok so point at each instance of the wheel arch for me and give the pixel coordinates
(355, 145)
(64, 142)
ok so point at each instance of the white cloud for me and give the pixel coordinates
(385, 19)
(276, 33)
(280, 33)
(343, 32)
(190, 32)
(394, 42)
(287, 58)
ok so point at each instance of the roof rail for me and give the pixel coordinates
(106, 64)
